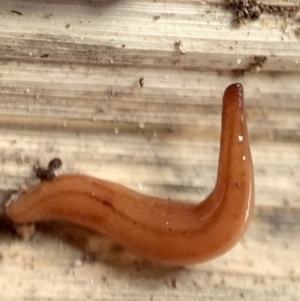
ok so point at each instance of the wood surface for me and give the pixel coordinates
(70, 87)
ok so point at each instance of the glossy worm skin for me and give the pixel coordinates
(159, 230)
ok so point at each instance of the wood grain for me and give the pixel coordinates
(69, 87)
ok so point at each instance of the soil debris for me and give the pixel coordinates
(245, 10)
(258, 63)
(238, 73)
(255, 65)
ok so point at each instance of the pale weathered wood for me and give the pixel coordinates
(98, 32)
(74, 93)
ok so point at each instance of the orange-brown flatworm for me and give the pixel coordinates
(164, 231)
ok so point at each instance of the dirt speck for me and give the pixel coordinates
(16, 12)
(55, 163)
(26, 231)
(179, 47)
(141, 82)
(238, 73)
(174, 283)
